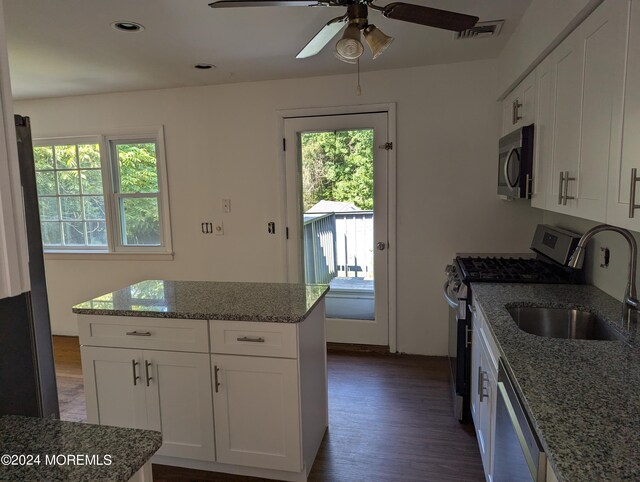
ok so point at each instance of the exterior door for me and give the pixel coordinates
(337, 219)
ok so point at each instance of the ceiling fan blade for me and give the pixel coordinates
(263, 3)
(431, 17)
(323, 37)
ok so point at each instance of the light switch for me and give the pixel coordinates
(226, 205)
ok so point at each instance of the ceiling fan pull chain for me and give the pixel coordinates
(358, 89)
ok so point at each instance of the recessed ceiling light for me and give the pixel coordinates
(128, 26)
(204, 66)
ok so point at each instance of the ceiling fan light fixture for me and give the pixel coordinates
(377, 40)
(343, 59)
(349, 47)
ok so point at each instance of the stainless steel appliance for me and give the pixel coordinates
(552, 248)
(27, 374)
(515, 161)
(518, 454)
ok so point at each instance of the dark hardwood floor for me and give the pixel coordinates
(390, 419)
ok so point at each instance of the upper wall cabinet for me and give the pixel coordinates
(623, 188)
(518, 108)
(587, 112)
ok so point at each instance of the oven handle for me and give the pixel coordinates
(450, 301)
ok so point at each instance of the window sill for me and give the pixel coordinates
(105, 256)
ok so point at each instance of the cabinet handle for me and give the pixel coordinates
(139, 333)
(135, 375)
(632, 193)
(467, 337)
(566, 196)
(515, 110)
(147, 364)
(216, 383)
(481, 387)
(561, 188)
(254, 339)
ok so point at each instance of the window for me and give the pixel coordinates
(102, 194)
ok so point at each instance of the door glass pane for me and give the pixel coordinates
(338, 206)
(140, 221)
(137, 168)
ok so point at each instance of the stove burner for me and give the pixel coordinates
(511, 270)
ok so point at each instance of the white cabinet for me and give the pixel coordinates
(518, 108)
(585, 80)
(257, 416)
(156, 390)
(484, 383)
(543, 133)
(620, 179)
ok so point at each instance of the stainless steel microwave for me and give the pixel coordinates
(515, 162)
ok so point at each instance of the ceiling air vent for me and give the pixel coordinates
(481, 30)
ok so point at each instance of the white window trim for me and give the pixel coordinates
(114, 249)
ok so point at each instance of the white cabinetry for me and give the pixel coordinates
(257, 416)
(543, 133)
(484, 382)
(156, 390)
(618, 212)
(518, 108)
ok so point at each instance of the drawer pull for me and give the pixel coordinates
(135, 375)
(139, 333)
(253, 339)
(216, 382)
(632, 193)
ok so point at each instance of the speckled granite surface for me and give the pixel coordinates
(583, 396)
(209, 300)
(129, 449)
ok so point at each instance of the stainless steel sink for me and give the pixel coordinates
(563, 323)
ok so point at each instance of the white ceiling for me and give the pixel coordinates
(67, 47)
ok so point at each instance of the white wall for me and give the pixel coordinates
(543, 26)
(222, 142)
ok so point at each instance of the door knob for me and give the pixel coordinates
(380, 245)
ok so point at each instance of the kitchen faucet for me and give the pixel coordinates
(630, 295)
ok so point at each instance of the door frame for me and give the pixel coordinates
(390, 110)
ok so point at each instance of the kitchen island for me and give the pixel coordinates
(582, 396)
(232, 374)
(42, 449)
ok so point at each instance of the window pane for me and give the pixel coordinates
(51, 234)
(68, 182)
(89, 155)
(73, 233)
(141, 221)
(71, 208)
(137, 168)
(66, 157)
(97, 233)
(43, 157)
(48, 208)
(91, 181)
(46, 183)
(94, 207)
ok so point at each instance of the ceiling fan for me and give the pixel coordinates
(349, 48)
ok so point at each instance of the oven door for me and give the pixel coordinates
(459, 354)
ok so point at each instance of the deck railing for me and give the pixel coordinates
(338, 244)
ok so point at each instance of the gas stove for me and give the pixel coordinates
(511, 270)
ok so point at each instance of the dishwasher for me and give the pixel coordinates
(518, 454)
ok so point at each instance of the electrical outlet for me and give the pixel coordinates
(226, 205)
(218, 228)
(605, 257)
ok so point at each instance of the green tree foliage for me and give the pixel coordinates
(338, 166)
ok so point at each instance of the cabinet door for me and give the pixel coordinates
(179, 403)
(475, 368)
(543, 133)
(568, 62)
(620, 169)
(256, 412)
(527, 100)
(483, 427)
(509, 121)
(114, 387)
(604, 35)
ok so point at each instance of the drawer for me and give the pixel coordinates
(254, 338)
(145, 333)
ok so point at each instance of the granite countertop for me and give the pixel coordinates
(72, 451)
(209, 300)
(583, 396)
